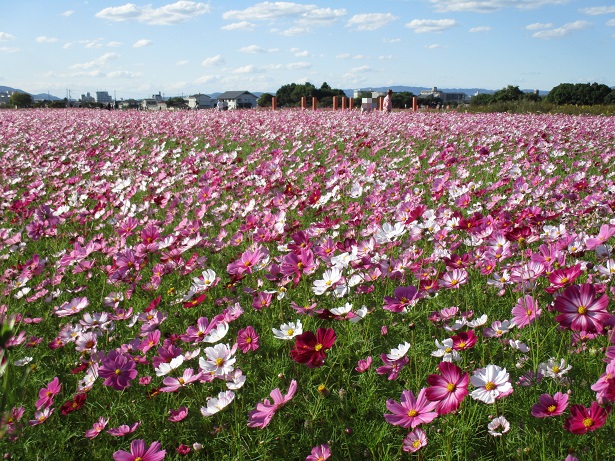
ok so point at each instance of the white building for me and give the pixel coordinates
(238, 99)
(87, 97)
(200, 101)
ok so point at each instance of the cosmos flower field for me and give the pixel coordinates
(290, 285)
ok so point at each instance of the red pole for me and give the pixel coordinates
(303, 104)
(351, 103)
(334, 102)
(380, 104)
(415, 104)
(343, 102)
(313, 102)
(274, 103)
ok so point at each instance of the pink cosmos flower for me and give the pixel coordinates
(123, 430)
(177, 415)
(454, 279)
(449, 388)
(364, 364)
(139, 453)
(247, 339)
(581, 310)
(46, 394)
(605, 386)
(606, 232)
(172, 384)
(96, 428)
(582, 420)
(548, 406)
(247, 261)
(41, 416)
(118, 370)
(392, 367)
(402, 299)
(319, 453)
(414, 441)
(261, 417)
(411, 412)
(525, 312)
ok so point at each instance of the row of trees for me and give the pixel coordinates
(582, 94)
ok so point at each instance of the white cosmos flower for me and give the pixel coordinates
(217, 333)
(288, 331)
(215, 404)
(401, 351)
(491, 384)
(362, 312)
(219, 360)
(329, 279)
(498, 426)
(166, 368)
(201, 284)
(389, 233)
(446, 351)
(235, 380)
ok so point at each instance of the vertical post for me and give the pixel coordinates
(351, 103)
(415, 104)
(380, 104)
(303, 104)
(274, 103)
(343, 102)
(334, 102)
(313, 102)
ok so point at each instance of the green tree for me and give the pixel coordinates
(265, 100)
(21, 99)
(610, 98)
(403, 100)
(175, 102)
(510, 93)
(481, 99)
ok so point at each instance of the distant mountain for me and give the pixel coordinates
(44, 96)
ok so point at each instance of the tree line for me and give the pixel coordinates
(579, 94)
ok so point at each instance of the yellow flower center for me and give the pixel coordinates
(118, 371)
(555, 369)
(318, 347)
(462, 344)
(219, 361)
(181, 381)
(450, 387)
(290, 332)
(448, 350)
(412, 413)
(588, 422)
(248, 340)
(582, 310)
(551, 408)
(490, 386)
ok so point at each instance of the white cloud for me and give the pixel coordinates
(207, 79)
(213, 61)
(247, 69)
(563, 31)
(370, 21)
(597, 10)
(182, 62)
(68, 13)
(43, 39)
(611, 22)
(539, 26)
(4, 37)
(299, 53)
(98, 62)
(489, 6)
(7, 49)
(303, 18)
(422, 26)
(385, 58)
(124, 74)
(350, 56)
(242, 25)
(142, 43)
(291, 66)
(114, 44)
(480, 29)
(433, 46)
(391, 40)
(255, 49)
(173, 13)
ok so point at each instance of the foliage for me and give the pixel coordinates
(265, 100)
(21, 100)
(584, 94)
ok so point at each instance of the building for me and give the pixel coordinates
(200, 101)
(445, 97)
(103, 97)
(238, 99)
(87, 97)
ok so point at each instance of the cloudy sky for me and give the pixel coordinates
(179, 48)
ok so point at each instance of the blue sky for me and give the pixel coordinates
(138, 48)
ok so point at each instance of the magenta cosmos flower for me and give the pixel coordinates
(118, 370)
(319, 453)
(414, 441)
(247, 339)
(525, 312)
(581, 310)
(448, 388)
(310, 348)
(261, 417)
(139, 453)
(550, 406)
(411, 412)
(582, 420)
(46, 394)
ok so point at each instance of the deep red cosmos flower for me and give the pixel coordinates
(310, 348)
(581, 309)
